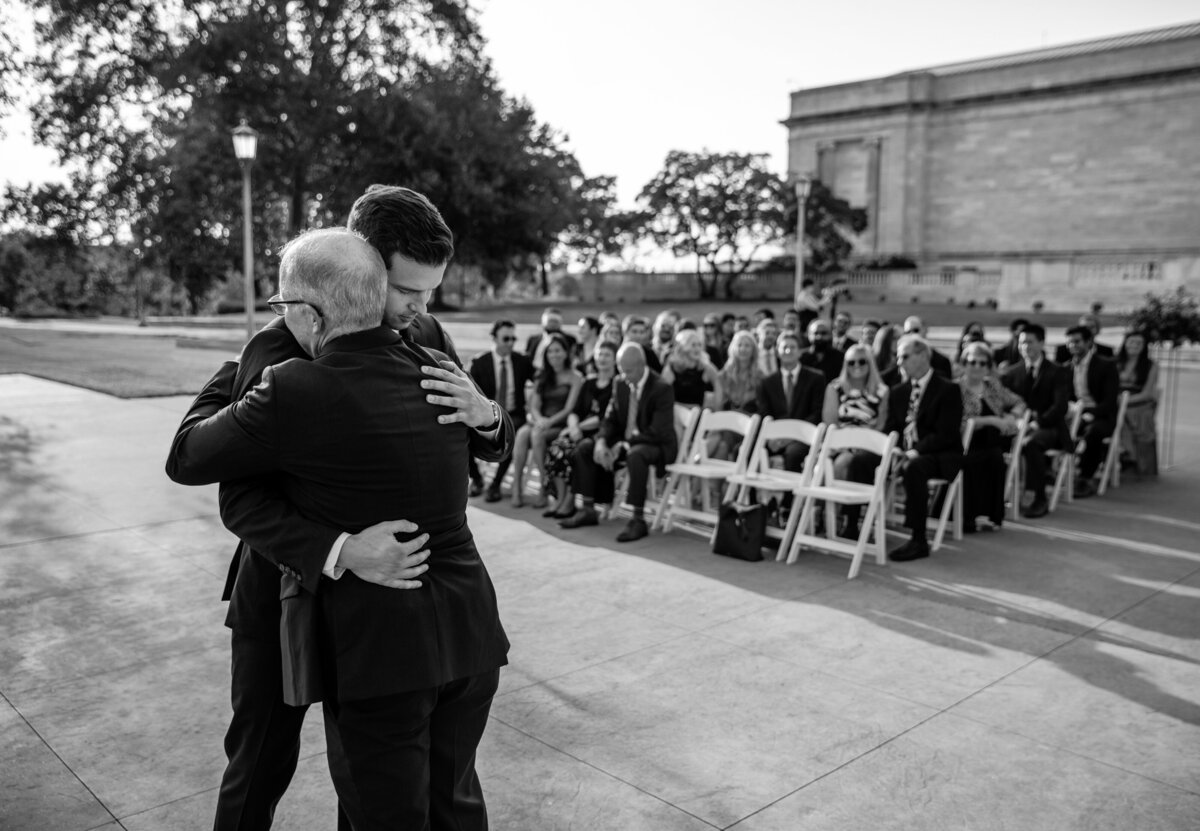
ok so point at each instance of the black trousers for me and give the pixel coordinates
(407, 761)
(1093, 435)
(916, 476)
(640, 459)
(1034, 456)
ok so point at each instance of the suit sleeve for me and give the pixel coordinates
(256, 510)
(662, 419)
(815, 399)
(1110, 390)
(1056, 413)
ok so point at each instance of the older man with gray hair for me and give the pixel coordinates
(364, 432)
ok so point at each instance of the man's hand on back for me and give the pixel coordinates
(374, 555)
(458, 391)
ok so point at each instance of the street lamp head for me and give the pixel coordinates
(803, 187)
(245, 142)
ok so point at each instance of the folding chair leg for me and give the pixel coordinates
(663, 517)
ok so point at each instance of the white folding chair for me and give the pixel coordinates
(952, 499)
(1111, 471)
(1062, 461)
(826, 488)
(1014, 485)
(698, 468)
(764, 478)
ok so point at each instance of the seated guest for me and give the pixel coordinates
(611, 332)
(821, 354)
(1046, 390)
(996, 410)
(1139, 376)
(636, 329)
(555, 391)
(1096, 386)
(972, 332)
(791, 321)
(551, 324)
(663, 334)
(856, 398)
(689, 372)
(740, 375)
(1063, 354)
(884, 347)
(1007, 353)
(763, 314)
(926, 411)
(589, 332)
(582, 422)
(913, 325)
(645, 441)
(728, 327)
(767, 333)
(792, 391)
(609, 317)
(715, 343)
(841, 332)
(870, 328)
(741, 323)
(501, 375)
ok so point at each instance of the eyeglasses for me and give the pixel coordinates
(507, 339)
(857, 362)
(279, 305)
(973, 362)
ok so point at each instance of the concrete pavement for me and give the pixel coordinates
(1046, 676)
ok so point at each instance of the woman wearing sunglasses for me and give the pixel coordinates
(856, 398)
(996, 410)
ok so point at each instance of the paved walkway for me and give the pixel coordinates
(1043, 677)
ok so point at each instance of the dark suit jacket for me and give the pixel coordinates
(1062, 354)
(940, 363)
(808, 396)
(1104, 385)
(356, 443)
(655, 423)
(1047, 397)
(483, 370)
(829, 363)
(939, 416)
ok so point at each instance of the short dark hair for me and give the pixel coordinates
(765, 312)
(1035, 329)
(873, 322)
(592, 323)
(1083, 332)
(1018, 324)
(502, 324)
(728, 316)
(401, 221)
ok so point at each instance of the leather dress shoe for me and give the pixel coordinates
(634, 530)
(911, 550)
(493, 495)
(1084, 488)
(580, 519)
(476, 487)
(1037, 508)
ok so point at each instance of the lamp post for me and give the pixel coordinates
(803, 187)
(245, 146)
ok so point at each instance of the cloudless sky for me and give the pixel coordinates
(629, 80)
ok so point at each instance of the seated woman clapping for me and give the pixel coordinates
(555, 391)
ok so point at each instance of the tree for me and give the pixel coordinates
(720, 208)
(829, 226)
(599, 228)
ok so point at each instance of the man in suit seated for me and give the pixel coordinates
(792, 391)
(408, 677)
(766, 332)
(1063, 353)
(913, 325)
(842, 339)
(501, 373)
(1046, 389)
(1096, 384)
(926, 411)
(645, 441)
(821, 354)
(552, 321)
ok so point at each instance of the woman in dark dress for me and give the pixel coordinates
(1139, 377)
(996, 410)
(555, 391)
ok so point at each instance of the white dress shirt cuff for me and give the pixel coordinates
(332, 570)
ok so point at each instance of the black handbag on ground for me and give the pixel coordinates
(740, 531)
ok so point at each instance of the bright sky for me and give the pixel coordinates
(630, 80)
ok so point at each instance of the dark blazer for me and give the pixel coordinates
(939, 416)
(808, 396)
(1008, 353)
(940, 363)
(483, 370)
(1104, 385)
(1062, 354)
(655, 416)
(829, 363)
(379, 454)
(1047, 396)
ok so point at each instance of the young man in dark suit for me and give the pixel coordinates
(1063, 354)
(408, 677)
(842, 339)
(1096, 384)
(263, 739)
(926, 411)
(1046, 389)
(647, 441)
(821, 354)
(501, 374)
(792, 391)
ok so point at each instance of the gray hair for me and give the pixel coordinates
(339, 272)
(916, 342)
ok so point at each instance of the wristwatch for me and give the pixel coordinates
(495, 419)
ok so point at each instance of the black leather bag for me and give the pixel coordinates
(740, 531)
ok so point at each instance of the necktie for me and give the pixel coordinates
(503, 394)
(787, 388)
(1030, 378)
(910, 421)
(631, 416)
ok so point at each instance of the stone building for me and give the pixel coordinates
(1063, 175)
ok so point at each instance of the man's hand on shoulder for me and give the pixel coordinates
(375, 555)
(455, 389)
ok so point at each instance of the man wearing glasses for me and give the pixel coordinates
(501, 374)
(263, 739)
(366, 430)
(926, 411)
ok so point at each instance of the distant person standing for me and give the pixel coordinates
(809, 303)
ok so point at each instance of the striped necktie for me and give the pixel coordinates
(910, 420)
